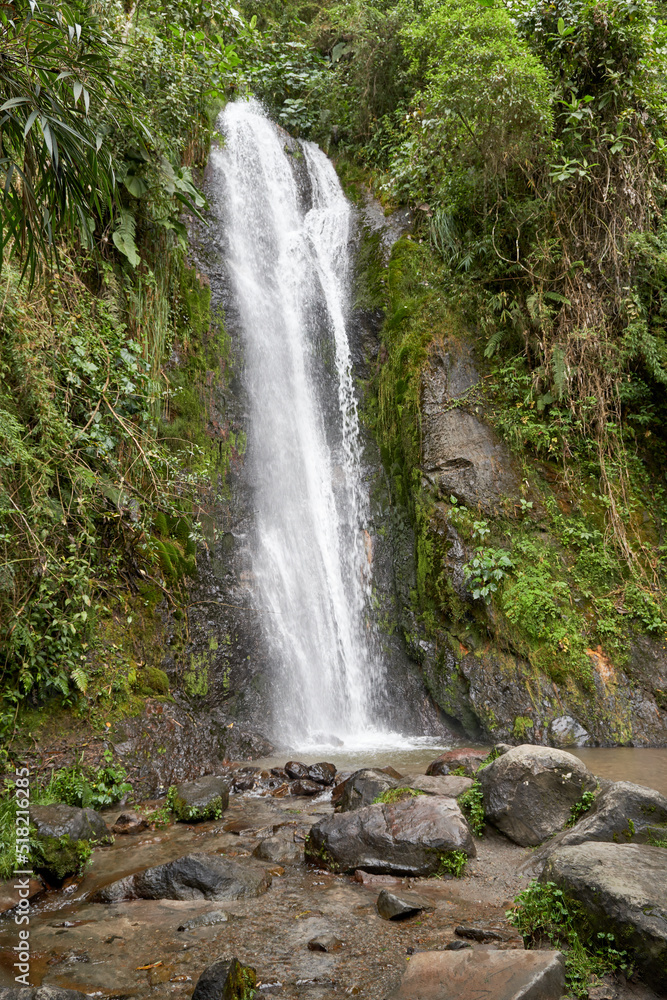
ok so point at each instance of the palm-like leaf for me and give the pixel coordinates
(61, 98)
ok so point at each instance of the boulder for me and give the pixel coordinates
(464, 760)
(322, 773)
(623, 889)
(450, 785)
(622, 812)
(194, 876)
(414, 836)
(69, 821)
(529, 791)
(398, 906)
(63, 834)
(128, 823)
(226, 979)
(362, 788)
(476, 972)
(278, 850)
(205, 798)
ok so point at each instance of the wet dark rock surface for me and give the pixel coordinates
(464, 759)
(226, 979)
(69, 821)
(194, 876)
(397, 906)
(529, 792)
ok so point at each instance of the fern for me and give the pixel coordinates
(123, 237)
(80, 678)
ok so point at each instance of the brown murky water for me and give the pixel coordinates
(643, 765)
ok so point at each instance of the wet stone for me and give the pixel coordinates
(278, 850)
(399, 906)
(205, 920)
(472, 973)
(194, 876)
(448, 785)
(362, 789)
(205, 798)
(295, 769)
(128, 823)
(477, 933)
(305, 787)
(322, 773)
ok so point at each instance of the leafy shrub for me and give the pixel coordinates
(94, 787)
(452, 863)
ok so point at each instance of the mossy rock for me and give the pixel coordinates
(203, 799)
(226, 979)
(59, 858)
(152, 680)
(160, 525)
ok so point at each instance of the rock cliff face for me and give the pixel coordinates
(462, 455)
(474, 668)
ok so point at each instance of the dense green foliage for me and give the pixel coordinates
(104, 449)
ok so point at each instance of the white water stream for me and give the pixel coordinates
(287, 227)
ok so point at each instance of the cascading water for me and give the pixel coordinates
(288, 258)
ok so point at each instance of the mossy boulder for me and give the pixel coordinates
(59, 858)
(205, 798)
(226, 979)
(62, 837)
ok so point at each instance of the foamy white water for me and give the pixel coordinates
(288, 258)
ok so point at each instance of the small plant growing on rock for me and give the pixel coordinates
(452, 863)
(488, 567)
(396, 795)
(472, 804)
(581, 807)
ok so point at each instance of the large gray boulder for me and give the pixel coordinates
(362, 788)
(194, 876)
(529, 791)
(477, 973)
(205, 798)
(622, 813)
(69, 821)
(623, 888)
(413, 836)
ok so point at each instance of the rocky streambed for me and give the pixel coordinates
(331, 885)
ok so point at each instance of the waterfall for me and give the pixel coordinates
(286, 227)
